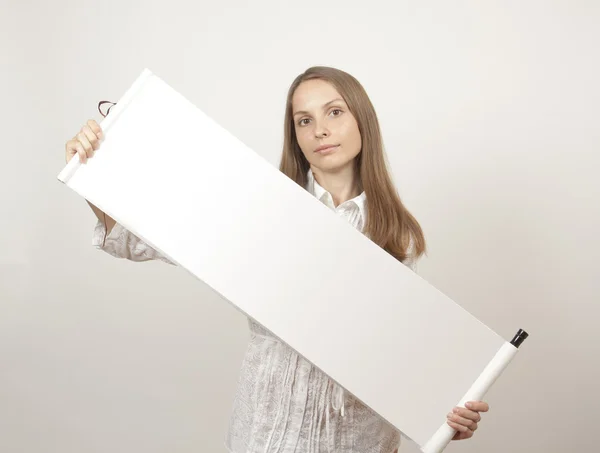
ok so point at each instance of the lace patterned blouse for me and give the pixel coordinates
(283, 404)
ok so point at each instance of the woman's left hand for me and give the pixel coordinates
(465, 420)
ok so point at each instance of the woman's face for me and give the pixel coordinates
(327, 132)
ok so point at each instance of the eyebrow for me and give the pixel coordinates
(324, 105)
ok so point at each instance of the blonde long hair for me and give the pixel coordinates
(388, 224)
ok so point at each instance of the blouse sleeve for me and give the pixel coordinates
(121, 243)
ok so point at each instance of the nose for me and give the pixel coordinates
(321, 131)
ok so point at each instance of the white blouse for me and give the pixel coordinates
(283, 404)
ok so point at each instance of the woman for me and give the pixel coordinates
(332, 148)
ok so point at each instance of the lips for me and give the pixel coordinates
(325, 149)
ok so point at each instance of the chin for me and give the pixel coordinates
(331, 163)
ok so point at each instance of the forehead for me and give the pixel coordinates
(312, 94)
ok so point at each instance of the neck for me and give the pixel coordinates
(342, 184)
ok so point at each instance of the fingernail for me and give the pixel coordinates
(449, 415)
(468, 405)
(455, 410)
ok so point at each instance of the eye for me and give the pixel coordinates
(336, 112)
(302, 123)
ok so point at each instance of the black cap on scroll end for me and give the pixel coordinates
(519, 338)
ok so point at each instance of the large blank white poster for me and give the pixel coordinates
(373, 325)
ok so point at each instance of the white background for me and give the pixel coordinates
(490, 118)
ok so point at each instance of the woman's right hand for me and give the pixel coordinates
(85, 143)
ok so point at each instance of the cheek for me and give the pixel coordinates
(352, 134)
(303, 139)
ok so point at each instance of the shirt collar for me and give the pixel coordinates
(358, 202)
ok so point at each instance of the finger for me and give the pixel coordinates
(96, 128)
(81, 151)
(70, 146)
(461, 420)
(466, 413)
(91, 136)
(479, 406)
(70, 149)
(462, 436)
(87, 146)
(457, 427)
